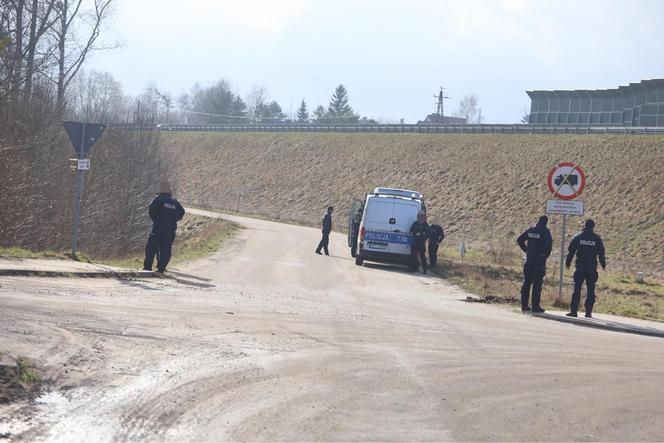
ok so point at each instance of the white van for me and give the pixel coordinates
(384, 231)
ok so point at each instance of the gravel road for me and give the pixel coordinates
(268, 341)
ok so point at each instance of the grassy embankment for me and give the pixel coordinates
(484, 189)
(617, 293)
(197, 237)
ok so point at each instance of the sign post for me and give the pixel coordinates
(562, 260)
(566, 181)
(82, 137)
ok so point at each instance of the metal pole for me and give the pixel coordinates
(77, 198)
(562, 261)
(624, 257)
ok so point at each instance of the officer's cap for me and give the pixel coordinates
(590, 224)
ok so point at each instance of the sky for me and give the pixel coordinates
(392, 56)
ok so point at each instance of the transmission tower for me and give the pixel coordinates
(439, 104)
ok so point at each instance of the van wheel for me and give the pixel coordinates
(359, 260)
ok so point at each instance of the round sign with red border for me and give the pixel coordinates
(566, 180)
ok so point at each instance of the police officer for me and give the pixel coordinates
(588, 247)
(355, 231)
(327, 228)
(436, 236)
(536, 242)
(420, 231)
(165, 212)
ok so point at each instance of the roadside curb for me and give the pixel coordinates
(608, 325)
(120, 275)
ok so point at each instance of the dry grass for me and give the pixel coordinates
(483, 188)
(196, 237)
(616, 293)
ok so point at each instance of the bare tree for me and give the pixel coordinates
(468, 109)
(98, 97)
(41, 21)
(255, 100)
(76, 35)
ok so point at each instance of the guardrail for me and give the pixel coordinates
(405, 128)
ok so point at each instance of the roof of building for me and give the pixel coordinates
(438, 119)
(629, 89)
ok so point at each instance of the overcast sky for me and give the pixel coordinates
(392, 56)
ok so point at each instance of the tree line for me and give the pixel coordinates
(44, 46)
(218, 103)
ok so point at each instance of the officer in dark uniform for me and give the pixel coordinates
(588, 247)
(436, 236)
(327, 228)
(165, 212)
(420, 231)
(536, 242)
(355, 231)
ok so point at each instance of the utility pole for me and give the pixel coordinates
(439, 103)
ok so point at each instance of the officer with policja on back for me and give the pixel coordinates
(536, 242)
(588, 248)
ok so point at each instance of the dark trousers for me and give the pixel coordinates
(159, 245)
(433, 254)
(533, 276)
(419, 252)
(590, 277)
(324, 242)
(353, 244)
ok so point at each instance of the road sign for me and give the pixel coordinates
(82, 136)
(81, 140)
(83, 164)
(566, 180)
(565, 207)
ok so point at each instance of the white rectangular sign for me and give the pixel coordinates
(567, 207)
(83, 164)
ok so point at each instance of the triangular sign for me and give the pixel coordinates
(92, 133)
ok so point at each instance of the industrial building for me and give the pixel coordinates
(639, 104)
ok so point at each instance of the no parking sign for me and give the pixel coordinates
(566, 180)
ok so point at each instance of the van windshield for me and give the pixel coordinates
(381, 210)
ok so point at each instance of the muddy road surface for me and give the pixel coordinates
(268, 341)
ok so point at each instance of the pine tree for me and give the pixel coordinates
(339, 106)
(269, 111)
(302, 112)
(320, 114)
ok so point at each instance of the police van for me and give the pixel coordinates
(384, 227)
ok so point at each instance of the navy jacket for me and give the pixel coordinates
(420, 232)
(327, 223)
(536, 242)
(165, 212)
(436, 234)
(588, 247)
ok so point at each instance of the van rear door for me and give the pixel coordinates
(379, 214)
(387, 221)
(405, 213)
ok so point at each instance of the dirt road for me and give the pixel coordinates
(268, 341)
